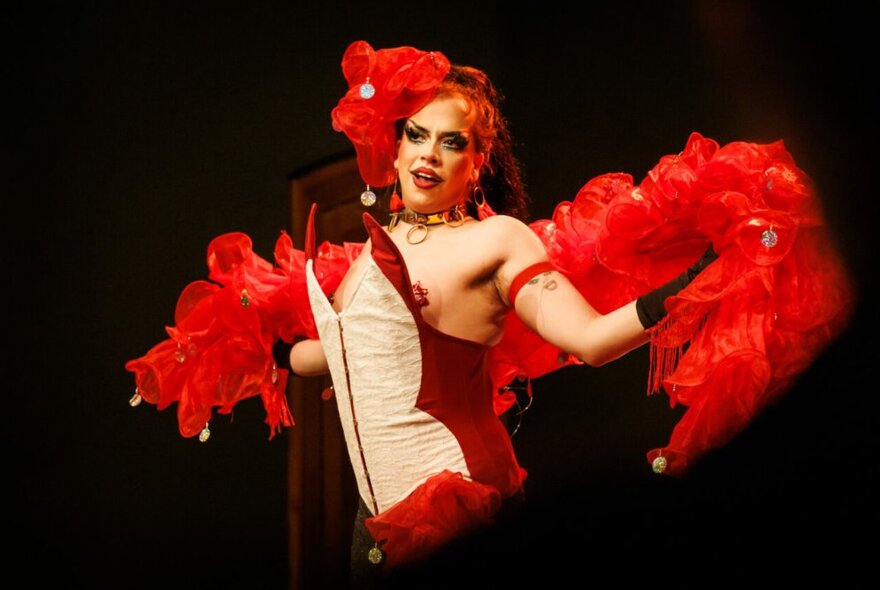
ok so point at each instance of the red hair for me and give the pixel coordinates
(500, 179)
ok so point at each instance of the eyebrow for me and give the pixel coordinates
(420, 129)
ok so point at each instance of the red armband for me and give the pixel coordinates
(525, 276)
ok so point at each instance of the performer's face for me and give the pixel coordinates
(437, 160)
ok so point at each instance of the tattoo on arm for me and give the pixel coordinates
(549, 285)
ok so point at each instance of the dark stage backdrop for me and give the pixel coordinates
(140, 132)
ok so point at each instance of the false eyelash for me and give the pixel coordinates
(412, 134)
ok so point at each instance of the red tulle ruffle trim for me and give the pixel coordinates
(738, 336)
(219, 350)
(446, 507)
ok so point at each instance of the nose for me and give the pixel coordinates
(430, 151)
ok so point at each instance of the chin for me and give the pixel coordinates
(423, 203)
(428, 202)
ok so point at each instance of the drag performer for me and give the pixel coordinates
(718, 258)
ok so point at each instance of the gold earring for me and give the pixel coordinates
(479, 199)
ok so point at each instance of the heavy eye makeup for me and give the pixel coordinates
(453, 140)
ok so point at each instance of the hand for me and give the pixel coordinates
(708, 257)
(281, 354)
(650, 307)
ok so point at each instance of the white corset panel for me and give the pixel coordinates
(377, 338)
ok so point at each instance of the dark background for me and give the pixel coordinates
(140, 132)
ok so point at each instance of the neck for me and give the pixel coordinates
(456, 212)
(453, 216)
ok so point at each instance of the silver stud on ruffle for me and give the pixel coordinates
(367, 90)
(659, 464)
(375, 555)
(136, 399)
(769, 238)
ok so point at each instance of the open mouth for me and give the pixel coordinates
(425, 178)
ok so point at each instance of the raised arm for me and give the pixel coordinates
(550, 305)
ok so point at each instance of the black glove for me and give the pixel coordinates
(281, 354)
(650, 306)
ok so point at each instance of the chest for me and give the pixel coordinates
(446, 272)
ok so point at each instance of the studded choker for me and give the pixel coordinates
(417, 234)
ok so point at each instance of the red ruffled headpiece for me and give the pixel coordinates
(383, 87)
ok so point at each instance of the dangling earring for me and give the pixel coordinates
(483, 208)
(368, 197)
(396, 202)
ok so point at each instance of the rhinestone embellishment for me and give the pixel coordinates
(659, 464)
(769, 238)
(367, 90)
(205, 434)
(136, 398)
(375, 555)
(368, 198)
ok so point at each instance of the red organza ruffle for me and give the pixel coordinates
(751, 321)
(759, 315)
(219, 350)
(446, 507)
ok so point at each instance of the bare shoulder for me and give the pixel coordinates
(519, 247)
(504, 223)
(514, 236)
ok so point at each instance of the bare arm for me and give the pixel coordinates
(307, 358)
(556, 311)
(551, 306)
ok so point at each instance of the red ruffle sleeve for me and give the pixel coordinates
(219, 350)
(750, 322)
(758, 316)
